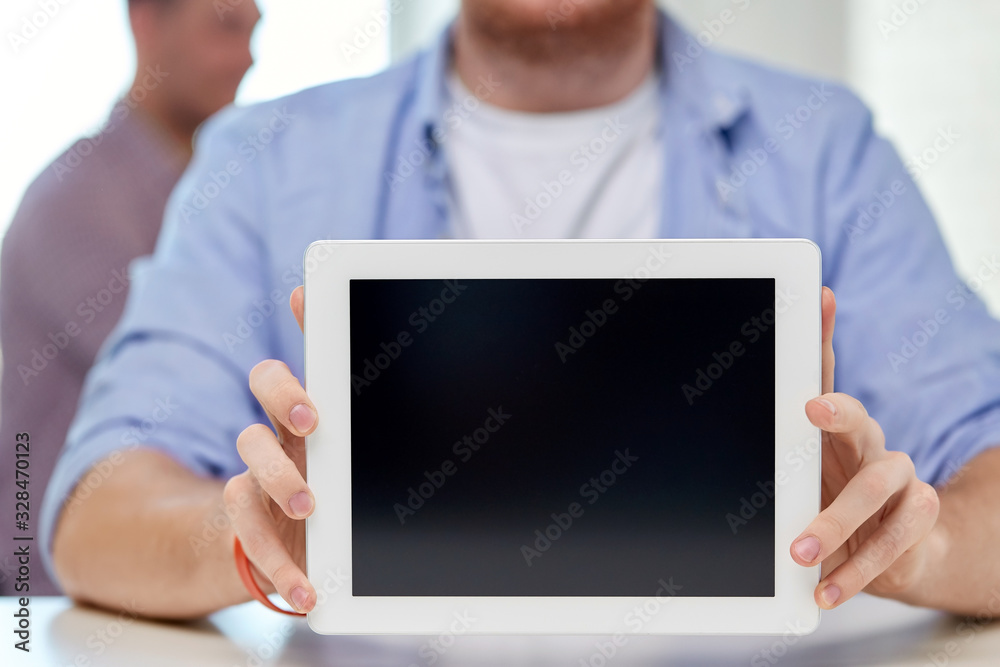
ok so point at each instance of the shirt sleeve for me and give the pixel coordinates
(164, 378)
(913, 342)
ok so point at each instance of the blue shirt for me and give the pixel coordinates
(749, 152)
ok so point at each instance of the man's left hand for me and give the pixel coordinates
(876, 513)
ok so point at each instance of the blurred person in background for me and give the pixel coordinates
(64, 271)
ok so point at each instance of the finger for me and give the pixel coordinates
(282, 396)
(297, 301)
(864, 495)
(266, 550)
(829, 308)
(847, 417)
(274, 471)
(833, 561)
(904, 527)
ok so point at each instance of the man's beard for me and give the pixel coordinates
(548, 31)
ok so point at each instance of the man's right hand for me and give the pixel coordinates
(272, 527)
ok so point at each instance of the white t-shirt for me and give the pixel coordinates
(594, 173)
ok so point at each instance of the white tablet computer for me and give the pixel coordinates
(562, 436)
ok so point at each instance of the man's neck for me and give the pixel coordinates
(155, 108)
(560, 69)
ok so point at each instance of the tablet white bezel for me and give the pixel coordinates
(795, 265)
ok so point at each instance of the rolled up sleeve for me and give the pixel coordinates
(165, 378)
(913, 342)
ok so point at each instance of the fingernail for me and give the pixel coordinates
(299, 598)
(828, 405)
(302, 417)
(300, 503)
(830, 595)
(807, 549)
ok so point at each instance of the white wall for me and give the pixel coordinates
(940, 69)
(804, 35)
(417, 22)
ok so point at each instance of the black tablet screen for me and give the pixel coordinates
(562, 437)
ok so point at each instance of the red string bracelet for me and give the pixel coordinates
(243, 567)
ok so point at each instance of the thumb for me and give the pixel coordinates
(298, 304)
(829, 317)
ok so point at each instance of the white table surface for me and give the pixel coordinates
(866, 631)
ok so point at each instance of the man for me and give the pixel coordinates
(66, 255)
(151, 488)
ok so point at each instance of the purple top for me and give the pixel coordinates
(64, 274)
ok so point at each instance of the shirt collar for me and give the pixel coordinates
(432, 70)
(692, 82)
(698, 82)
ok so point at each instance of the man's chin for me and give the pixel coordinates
(519, 18)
